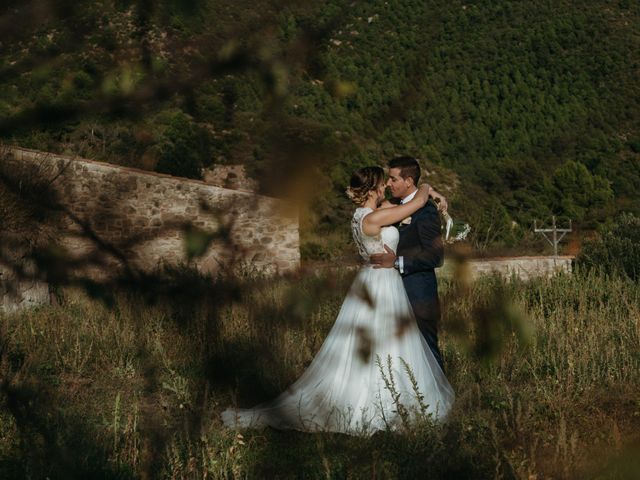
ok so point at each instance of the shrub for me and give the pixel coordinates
(616, 250)
(24, 192)
(186, 148)
(635, 145)
(313, 251)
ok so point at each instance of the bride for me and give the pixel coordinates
(375, 370)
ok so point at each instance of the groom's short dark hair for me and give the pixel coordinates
(409, 167)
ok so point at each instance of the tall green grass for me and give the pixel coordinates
(547, 377)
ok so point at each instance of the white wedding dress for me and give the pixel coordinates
(360, 380)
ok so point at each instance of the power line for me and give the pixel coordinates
(555, 240)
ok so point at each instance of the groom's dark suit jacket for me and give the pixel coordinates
(422, 250)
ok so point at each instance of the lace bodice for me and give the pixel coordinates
(368, 245)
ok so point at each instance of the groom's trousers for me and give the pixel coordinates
(422, 290)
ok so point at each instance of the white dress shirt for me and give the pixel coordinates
(409, 197)
(406, 199)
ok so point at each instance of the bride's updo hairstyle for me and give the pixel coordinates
(362, 182)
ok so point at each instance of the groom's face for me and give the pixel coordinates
(399, 186)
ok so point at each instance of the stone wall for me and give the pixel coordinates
(17, 294)
(145, 215)
(524, 268)
(229, 176)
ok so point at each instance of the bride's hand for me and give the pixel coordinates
(440, 200)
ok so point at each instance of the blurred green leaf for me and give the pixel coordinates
(196, 242)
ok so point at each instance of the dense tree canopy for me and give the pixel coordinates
(519, 109)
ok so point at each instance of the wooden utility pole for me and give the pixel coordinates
(555, 240)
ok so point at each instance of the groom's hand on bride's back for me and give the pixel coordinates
(383, 260)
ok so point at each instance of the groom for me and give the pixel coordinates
(419, 251)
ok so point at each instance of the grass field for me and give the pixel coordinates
(547, 377)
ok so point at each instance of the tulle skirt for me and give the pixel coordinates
(373, 372)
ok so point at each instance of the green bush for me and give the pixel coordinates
(186, 148)
(313, 251)
(82, 80)
(577, 192)
(616, 250)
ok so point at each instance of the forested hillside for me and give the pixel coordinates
(521, 109)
